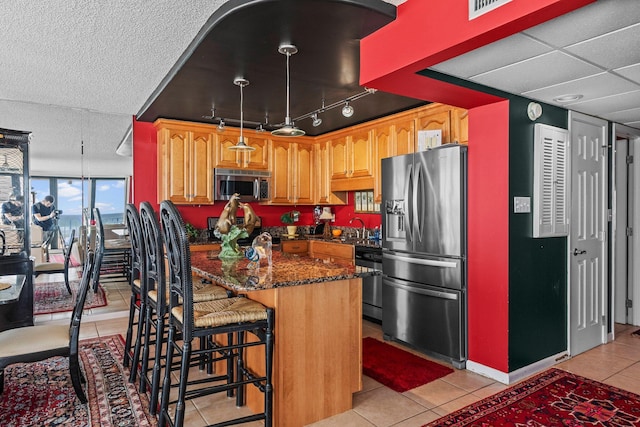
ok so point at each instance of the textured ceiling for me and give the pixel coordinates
(79, 70)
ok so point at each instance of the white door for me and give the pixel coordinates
(588, 238)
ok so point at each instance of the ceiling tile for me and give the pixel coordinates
(498, 54)
(626, 116)
(587, 22)
(591, 87)
(539, 72)
(599, 50)
(631, 72)
(609, 104)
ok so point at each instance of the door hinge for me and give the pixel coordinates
(629, 303)
(629, 160)
(629, 231)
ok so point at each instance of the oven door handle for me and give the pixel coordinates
(428, 262)
(419, 290)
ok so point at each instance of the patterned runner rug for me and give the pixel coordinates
(396, 368)
(552, 398)
(53, 297)
(41, 394)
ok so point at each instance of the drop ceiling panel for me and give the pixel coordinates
(498, 54)
(632, 72)
(587, 22)
(600, 106)
(592, 87)
(626, 116)
(542, 71)
(598, 50)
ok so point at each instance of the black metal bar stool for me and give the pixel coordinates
(155, 294)
(236, 316)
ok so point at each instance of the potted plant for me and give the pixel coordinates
(192, 232)
(289, 218)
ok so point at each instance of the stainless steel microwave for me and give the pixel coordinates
(251, 185)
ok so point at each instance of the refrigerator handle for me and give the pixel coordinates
(416, 203)
(408, 217)
(427, 262)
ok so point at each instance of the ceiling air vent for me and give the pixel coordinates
(480, 7)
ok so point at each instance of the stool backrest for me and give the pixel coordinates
(68, 248)
(138, 253)
(154, 247)
(179, 260)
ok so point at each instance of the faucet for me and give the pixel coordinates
(356, 218)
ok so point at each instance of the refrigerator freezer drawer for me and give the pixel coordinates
(428, 318)
(430, 270)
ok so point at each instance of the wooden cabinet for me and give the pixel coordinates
(184, 163)
(225, 158)
(433, 117)
(295, 246)
(292, 173)
(391, 138)
(322, 176)
(460, 125)
(352, 159)
(330, 250)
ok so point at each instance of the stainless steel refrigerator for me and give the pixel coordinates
(424, 245)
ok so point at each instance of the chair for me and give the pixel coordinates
(35, 343)
(237, 316)
(137, 277)
(155, 294)
(113, 252)
(59, 267)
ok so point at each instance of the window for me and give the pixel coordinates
(109, 198)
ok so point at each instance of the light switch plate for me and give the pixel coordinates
(522, 204)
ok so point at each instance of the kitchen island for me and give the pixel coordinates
(318, 334)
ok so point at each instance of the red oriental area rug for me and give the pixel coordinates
(41, 393)
(396, 368)
(60, 259)
(53, 297)
(553, 398)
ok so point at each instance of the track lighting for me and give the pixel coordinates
(316, 120)
(260, 128)
(241, 146)
(289, 128)
(221, 126)
(347, 110)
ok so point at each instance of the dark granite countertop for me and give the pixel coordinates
(286, 270)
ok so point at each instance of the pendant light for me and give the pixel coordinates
(288, 129)
(241, 146)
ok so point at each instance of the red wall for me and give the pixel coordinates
(488, 236)
(145, 158)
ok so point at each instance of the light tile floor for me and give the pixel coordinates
(616, 363)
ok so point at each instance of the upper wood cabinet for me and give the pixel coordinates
(460, 125)
(322, 177)
(225, 158)
(292, 173)
(433, 117)
(352, 160)
(184, 163)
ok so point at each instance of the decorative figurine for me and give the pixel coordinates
(229, 232)
(262, 246)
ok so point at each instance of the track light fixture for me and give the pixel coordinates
(221, 126)
(317, 121)
(347, 110)
(241, 146)
(289, 128)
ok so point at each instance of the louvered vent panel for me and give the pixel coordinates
(480, 7)
(550, 176)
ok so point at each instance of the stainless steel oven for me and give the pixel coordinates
(251, 185)
(368, 256)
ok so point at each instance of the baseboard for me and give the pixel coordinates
(518, 374)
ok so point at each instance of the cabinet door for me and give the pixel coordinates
(200, 168)
(174, 173)
(226, 158)
(303, 182)
(259, 158)
(361, 153)
(339, 161)
(436, 120)
(384, 148)
(460, 125)
(404, 137)
(280, 176)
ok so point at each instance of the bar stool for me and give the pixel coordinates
(137, 277)
(237, 316)
(155, 294)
